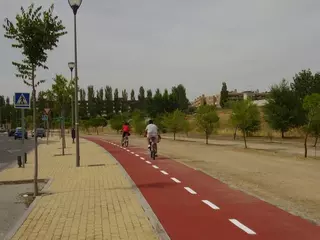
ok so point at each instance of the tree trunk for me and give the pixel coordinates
(244, 139)
(62, 131)
(282, 134)
(35, 177)
(207, 138)
(305, 145)
(235, 133)
(316, 141)
(174, 136)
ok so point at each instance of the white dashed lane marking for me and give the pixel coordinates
(242, 227)
(175, 180)
(164, 172)
(207, 202)
(190, 190)
(210, 204)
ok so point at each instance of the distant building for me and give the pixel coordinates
(209, 100)
(257, 97)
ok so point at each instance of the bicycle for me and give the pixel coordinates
(153, 148)
(125, 141)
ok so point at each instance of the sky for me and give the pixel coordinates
(249, 44)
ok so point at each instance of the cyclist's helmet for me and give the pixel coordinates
(150, 121)
(126, 123)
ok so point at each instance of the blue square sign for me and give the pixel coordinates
(22, 100)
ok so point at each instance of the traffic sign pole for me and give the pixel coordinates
(22, 101)
(22, 137)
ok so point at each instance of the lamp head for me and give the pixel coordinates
(71, 65)
(75, 4)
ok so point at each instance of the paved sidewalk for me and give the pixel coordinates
(95, 202)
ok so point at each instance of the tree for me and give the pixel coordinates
(174, 122)
(141, 99)
(207, 120)
(2, 105)
(82, 104)
(98, 122)
(137, 122)
(281, 111)
(157, 106)
(223, 95)
(124, 101)
(187, 126)
(35, 33)
(108, 101)
(91, 102)
(181, 97)
(116, 122)
(149, 102)
(100, 102)
(61, 95)
(305, 83)
(116, 101)
(132, 100)
(246, 117)
(311, 104)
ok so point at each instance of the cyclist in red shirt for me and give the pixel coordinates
(125, 130)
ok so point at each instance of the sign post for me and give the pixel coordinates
(22, 101)
(46, 119)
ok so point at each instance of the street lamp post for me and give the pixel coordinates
(75, 4)
(71, 67)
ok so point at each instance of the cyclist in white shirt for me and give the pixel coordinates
(151, 131)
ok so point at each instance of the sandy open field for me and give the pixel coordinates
(273, 172)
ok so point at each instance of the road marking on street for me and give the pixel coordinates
(128, 150)
(164, 172)
(141, 158)
(210, 204)
(137, 155)
(175, 180)
(132, 152)
(154, 166)
(242, 227)
(148, 162)
(190, 190)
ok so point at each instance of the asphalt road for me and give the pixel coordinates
(10, 149)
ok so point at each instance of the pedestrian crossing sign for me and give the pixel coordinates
(22, 100)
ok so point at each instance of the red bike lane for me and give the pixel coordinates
(192, 205)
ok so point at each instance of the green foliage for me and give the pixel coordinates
(116, 122)
(138, 122)
(116, 101)
(187, 126)
(108, 101)
(282, 108)
(311, 104)
(246, 117)
(124, 101)
(35, 33)
(223, 95)
(174, 122)
(207, 120)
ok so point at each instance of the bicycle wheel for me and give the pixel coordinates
(126, 142)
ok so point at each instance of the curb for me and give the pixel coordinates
(25, 215)
(157, 226)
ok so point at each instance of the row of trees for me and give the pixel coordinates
(288, 106)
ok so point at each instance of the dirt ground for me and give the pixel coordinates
(278, 177)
